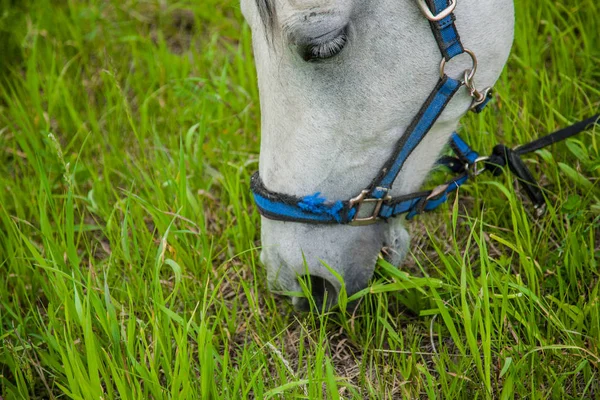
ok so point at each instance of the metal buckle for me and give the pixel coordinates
(474, 170)
(362, 199)
(440, 16)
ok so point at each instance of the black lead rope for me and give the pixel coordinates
(503, 156)
(559, 135)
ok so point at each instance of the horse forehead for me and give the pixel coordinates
(300, 5)
(300, 19)
(305, 10)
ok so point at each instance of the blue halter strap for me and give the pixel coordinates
(374, 203)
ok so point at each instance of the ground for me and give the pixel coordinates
(129, 243)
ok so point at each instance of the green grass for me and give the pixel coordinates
(129, 243)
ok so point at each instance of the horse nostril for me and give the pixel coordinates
(321, 291)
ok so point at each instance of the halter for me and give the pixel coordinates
(375, 203)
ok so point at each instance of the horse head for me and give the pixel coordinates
(340, 83)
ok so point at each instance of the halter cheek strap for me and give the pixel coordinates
(444, 29)
(374, 203)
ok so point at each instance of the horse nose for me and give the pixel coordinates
(322, 293)
(316, 287)
(324, 258)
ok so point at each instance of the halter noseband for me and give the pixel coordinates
(375, 203)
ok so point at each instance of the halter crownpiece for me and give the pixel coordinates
(375, 203)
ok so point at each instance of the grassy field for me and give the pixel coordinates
(129, 243)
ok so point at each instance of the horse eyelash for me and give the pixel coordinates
(328, 49)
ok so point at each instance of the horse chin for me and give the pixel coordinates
(322, 258)
(396, 243)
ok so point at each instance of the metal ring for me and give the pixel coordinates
(472, 70)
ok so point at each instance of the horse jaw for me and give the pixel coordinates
(329, 127)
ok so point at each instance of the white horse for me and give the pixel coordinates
(340, 81)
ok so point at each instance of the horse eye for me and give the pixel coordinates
(326, 49)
